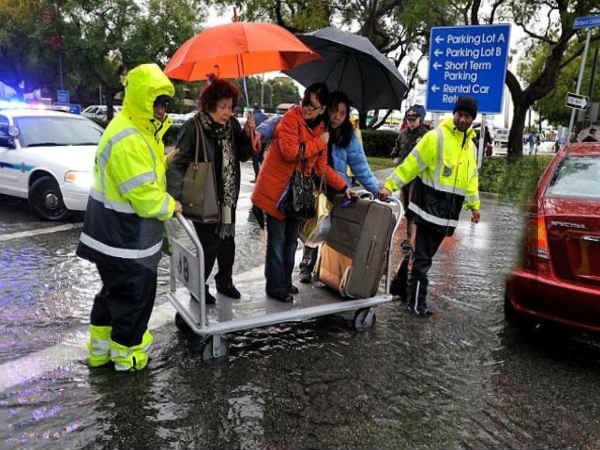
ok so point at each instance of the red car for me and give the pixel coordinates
(560, 275)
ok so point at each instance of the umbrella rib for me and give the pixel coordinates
(342, 72)
(331, 71)
(362, 93)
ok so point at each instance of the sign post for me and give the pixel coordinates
(468, 60)
(580, 23)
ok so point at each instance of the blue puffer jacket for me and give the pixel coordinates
(354, 156)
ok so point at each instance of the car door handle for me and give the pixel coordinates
(591, 239)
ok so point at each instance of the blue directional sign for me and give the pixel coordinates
(468, 60)
(586, 22)
(62, 97)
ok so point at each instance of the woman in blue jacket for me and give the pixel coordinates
(344, 149)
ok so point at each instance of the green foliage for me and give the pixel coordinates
(378, 143)
(295, 15)
(551, 107)
(27, 52)
(97, 40)
(513, 180)
(378, 163)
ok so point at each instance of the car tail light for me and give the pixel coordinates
(537, 237)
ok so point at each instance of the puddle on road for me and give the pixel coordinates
(462, 379)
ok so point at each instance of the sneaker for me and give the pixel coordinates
(229, 291)
(305, 277)
(293, 290)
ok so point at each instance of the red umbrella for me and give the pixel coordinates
(236, 50)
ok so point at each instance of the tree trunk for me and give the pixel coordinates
(515, 137)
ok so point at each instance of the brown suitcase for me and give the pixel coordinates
(353, 257)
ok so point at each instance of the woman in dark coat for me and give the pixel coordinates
(226, 144)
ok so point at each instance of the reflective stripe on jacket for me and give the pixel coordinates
(128, 200)
(445, 168)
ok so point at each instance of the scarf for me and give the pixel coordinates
(223, 137)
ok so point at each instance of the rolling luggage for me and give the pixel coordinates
(353, 257)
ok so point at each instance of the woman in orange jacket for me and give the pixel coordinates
(300, 125)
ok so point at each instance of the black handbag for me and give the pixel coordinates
(298, 199)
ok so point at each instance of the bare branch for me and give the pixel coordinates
(534, 35)
(578, 52)
(497, 3)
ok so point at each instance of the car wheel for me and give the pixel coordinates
(46, 200)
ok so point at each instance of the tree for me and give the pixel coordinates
(549, 23)
(399, 28)
(106, 38)
(551, 107)
(294, 15)
(26, 49)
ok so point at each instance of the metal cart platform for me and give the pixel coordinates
(255, 309)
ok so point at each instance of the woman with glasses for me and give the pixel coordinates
(345, 150)
(305, 125)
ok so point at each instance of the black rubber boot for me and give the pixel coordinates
(398, 286)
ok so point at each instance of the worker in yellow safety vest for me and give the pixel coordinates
(123, 228)
(444, 167)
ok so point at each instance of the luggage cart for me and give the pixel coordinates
(255, 309)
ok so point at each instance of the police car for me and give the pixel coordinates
(47, 157)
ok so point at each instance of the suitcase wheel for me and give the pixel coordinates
(364, 319)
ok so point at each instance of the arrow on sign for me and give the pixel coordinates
(436, 65)
(435, 88)
(437, 52)
(439, 39)
(577, 101)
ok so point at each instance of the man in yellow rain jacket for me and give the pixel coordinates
(444, 167)
(123, 229)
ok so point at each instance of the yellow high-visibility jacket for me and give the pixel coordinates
(445, 168)
(128, 200)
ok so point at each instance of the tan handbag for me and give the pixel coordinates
(315, 229)
(199, 196)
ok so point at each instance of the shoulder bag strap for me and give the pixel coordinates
(198, 128)
(204, 152)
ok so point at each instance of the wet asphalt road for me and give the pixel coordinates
(462, 379)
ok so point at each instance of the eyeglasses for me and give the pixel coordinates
(309, 106)
(412, 118)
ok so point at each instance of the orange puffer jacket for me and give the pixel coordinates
(282, 158)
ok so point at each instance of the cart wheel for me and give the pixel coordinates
(364, 319)
(182, 325)
(214, 347)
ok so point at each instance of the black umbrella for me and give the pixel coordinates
(351, 63)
